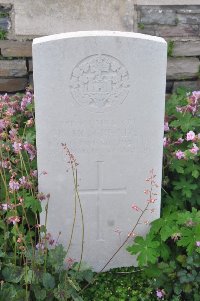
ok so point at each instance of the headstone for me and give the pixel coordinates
(101, 93)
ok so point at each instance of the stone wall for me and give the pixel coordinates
(22, 20)
(180, 26)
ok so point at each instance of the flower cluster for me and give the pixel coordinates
(19, 204)
(179, 139)
(46, 242)
(192, 105)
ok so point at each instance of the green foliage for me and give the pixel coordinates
(181, 174)
(141, 26)
(176, 267)
(170, 252)
(147, 249)
(124, 284)
(3, 34)
(32, 263)
(170, 48)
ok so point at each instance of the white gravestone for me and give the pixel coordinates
(102, 93)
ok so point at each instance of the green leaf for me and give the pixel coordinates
(165, 251)
(185, 121)
(2, 254)
(48, 281)
(186, 186)
(195, 173)
(189, 237)
(30, 136)
(40, 294)
(33, 204)
(13, 274)
(165, 226)
(147, 249)
(7, 292)
(28, 276)
(56, 257)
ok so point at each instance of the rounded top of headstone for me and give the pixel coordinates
(99, 33)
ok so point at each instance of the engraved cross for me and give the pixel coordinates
(99, 192)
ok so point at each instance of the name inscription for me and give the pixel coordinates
(106, 136)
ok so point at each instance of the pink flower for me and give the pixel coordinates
(40, 246)
(196, 94)
(198, 243)
(34, 173)
(2, 125)
(152, 200)
(51, 241)
(180, 154)
(12, 133)
(30, 150)
(26, 100)
(6, 97)
(10, 112)
(70, 261)
(25, 183)
(136, 208)
(17, 147)
(195, 149)
(30, 122)
(190, 136)
(4, 207)
(41, 196)
(160, 294)
(14, 185)
(165, 142)
(13, 219)
(166, 127)
(179, 141)
(5, 164)
(179, 109)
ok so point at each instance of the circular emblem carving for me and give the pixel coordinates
(99, 82)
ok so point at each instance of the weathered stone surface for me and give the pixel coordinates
(169, 86)
(5, 8)
(49, 16)
(180, 30)
(156, 15)
(182, 68)
(189, 18)
(193, 85)
(12, 84)
(166, 2)
(13, 68)
(30, 65)
(5, 23)
(30, 80)
(7, 2)
(189, 10)
(103, 94)
(147, 29)
(187, 47)
(16, 48)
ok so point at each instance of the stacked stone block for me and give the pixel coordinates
(15, 65)
(15, 56)
(180, 26)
